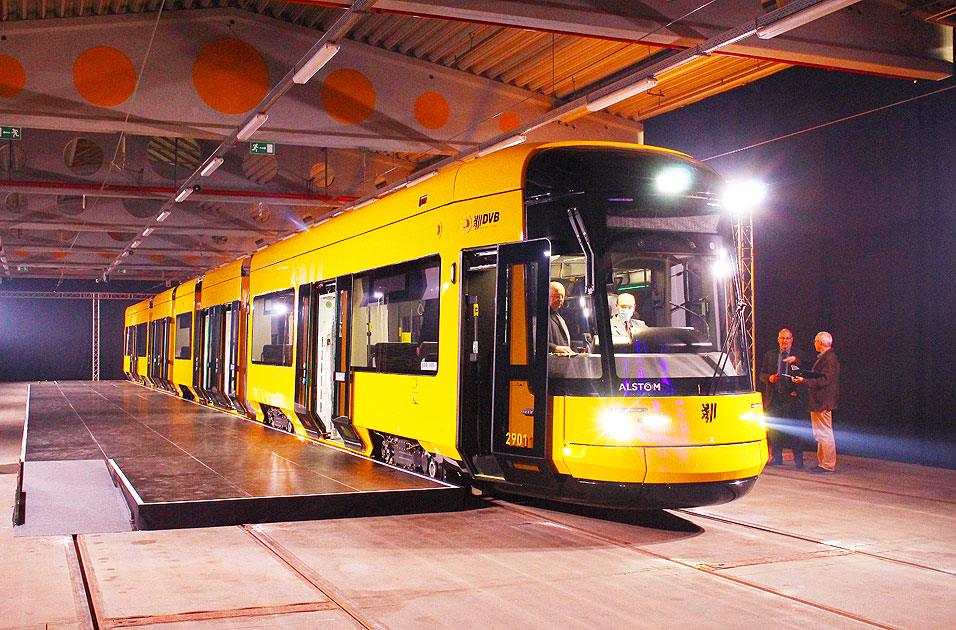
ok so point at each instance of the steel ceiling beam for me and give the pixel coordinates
(92, 249)
(75, 295)
(118, 191)
(56, 224)
(878, 40)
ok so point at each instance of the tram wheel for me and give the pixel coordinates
(432, 467)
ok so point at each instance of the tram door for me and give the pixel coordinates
(232, 340)
(158, 362)
(210, 366)
(503, 421)
(212, 355)
(140, 347)
(519, 423)
(199, 352)
(325, 357)
(477, 344)
(315, 348)
(133, 368)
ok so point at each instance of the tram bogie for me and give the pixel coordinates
(417, 330)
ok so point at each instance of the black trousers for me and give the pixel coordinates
(788, 426)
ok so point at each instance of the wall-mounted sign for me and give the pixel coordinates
(262, 148)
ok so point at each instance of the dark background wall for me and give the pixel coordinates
(858, 238)
(52, 339)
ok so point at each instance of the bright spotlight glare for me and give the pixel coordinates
(673, 180)
(617, 424)
(742, 197)
(754, 416)
(724, 268)
(655, 421)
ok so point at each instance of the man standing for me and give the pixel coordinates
(784, 404)
(823, 392)
(559, 338)
(621, 323)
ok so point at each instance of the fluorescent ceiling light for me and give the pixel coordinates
(727, 42)
(210, 168)
(162, 216)
(419, 180)
(802, 17)
(136, 243)
(504, 144)
(313, 65)
(619, 95)
(147, 232)
(252, 126)
(185, 192)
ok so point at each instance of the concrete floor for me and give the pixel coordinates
(873, 546)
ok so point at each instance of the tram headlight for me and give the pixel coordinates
(618, 424)
(655, 421)
(623, 424)
(755, 415)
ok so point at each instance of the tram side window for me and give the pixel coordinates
(141, 340)
(129, 341)
(184, 329)
(272, 328)
(395, 318)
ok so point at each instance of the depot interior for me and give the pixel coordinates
(144, 143)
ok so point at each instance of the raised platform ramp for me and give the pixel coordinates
(179, 464)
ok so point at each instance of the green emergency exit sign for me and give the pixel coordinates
(262, 148)
(10, 133)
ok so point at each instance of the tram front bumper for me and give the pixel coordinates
(672, 464)
(661, 477)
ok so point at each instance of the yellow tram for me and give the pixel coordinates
(416, 330)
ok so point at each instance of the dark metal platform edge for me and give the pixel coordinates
(20, 500)
(245, 510)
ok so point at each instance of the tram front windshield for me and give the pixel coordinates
(669, 255)
(676, 332)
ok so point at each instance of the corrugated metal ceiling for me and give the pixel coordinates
(553, 64)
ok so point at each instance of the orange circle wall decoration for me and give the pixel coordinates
(104, 76)
(12, 76)
(230, 76)
(348, 96)
(431, 110)
(508, 121)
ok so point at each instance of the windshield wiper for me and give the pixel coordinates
(581, 232)
(735, 327)
(728, 344)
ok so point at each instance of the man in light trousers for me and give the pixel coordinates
(823, 393)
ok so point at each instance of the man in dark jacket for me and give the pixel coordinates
(559, 338)
(823, 393)
(784, 404)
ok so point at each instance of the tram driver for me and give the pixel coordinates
(623, 324)
(559, 337)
